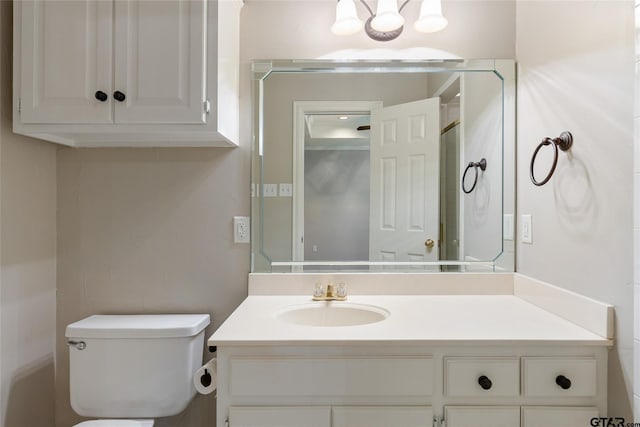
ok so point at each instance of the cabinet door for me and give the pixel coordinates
(279, 416)
(558, 416)
(160, 61)
(66, 54)
(483, 416)
(382, 416)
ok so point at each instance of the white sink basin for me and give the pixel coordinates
(333, 313)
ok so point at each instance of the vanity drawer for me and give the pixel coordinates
(558, 416)
(381, 416)
(559, 376)
(325, 378)
(474, 377)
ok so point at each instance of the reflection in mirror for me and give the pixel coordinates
(359, 166)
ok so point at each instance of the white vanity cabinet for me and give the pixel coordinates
(390, 385)
(127, 72)
(482, 416)
(280, 416)
(558, 416)
(326, 416)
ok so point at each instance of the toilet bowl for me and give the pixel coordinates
(127, 370)
(116, 423)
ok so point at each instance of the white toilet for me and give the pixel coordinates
(129, 369)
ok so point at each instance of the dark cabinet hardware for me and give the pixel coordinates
(485, 382)
(119, 96)
(101, 96)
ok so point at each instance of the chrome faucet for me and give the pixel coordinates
(330, 294)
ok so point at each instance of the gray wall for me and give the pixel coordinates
(148, 231)
(579, 77)
(336, 205)
(27, 263)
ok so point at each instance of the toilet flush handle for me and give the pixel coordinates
(80, 345)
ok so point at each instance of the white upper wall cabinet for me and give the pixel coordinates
(93, 73)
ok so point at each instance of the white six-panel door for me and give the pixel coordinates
(67, 57)
(404, 199)
(160, 64)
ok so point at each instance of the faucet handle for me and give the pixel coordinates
(342, 290)
(319, 292)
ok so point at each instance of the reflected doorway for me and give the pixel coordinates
(336, 187)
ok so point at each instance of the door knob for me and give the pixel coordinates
(119, 96)
(429, 243)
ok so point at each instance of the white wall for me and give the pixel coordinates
(27, 263)
(576, 73)
(481, 115)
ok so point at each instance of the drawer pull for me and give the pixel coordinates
(485, 382)
(563, 382)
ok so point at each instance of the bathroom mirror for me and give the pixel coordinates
(383, 166)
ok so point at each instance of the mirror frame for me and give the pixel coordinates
(504, 69)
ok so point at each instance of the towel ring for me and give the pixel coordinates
(564, 142)
(482, 164)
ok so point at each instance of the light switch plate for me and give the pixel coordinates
(270, 190)
(507, 227)
(285, 190)
(253, 190)
(527, 229)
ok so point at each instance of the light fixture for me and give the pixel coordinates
(343, 117)
(347, 21)
(387, 23)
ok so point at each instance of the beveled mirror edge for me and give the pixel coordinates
(505, 70)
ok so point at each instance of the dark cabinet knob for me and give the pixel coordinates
(101, 96)
(563, 382)
(485, 382)
(119, 96)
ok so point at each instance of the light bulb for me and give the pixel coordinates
(347, 21)
(387, 16)
(431, 19)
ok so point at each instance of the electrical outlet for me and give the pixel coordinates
(285, 190)
(241, 229)
(527, 230)
(269, 190)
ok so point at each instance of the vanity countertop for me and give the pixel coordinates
(413, 319)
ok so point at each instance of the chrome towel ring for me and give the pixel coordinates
(482, 164)
(564, 142)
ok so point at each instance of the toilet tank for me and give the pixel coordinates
(134, 366)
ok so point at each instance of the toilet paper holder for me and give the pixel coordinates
(205, 379)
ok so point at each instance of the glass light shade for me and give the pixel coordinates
(431, 19)
(347, 21)
(387, 16)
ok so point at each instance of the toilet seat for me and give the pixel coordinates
(116, 423)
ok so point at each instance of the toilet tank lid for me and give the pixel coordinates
(138, 326)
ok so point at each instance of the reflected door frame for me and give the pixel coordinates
(300, 109)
